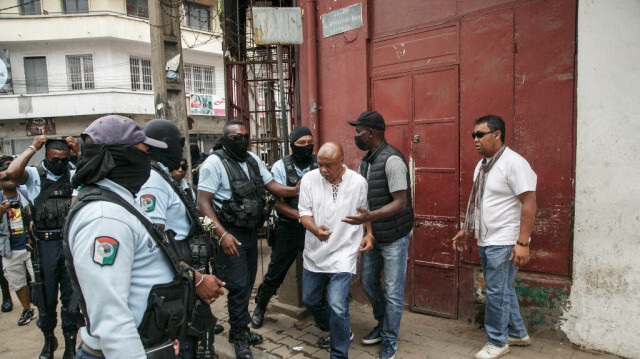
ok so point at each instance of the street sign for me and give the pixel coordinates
(277, 25)
(342, 20)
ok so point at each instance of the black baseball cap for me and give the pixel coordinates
(370, 119)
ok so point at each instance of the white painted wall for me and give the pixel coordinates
(604, 311)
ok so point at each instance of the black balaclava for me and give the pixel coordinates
(57, 168)
(125, 165)
(236, 147)
(167, 132)
(302, 155)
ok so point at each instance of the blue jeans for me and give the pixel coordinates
(81, 354)
(331, 311)
(387, 301)
(502, 317)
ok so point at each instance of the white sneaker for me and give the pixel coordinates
(490, 351)
(519, 342)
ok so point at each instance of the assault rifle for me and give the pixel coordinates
(36, 292)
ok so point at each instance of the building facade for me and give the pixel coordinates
(72, 61)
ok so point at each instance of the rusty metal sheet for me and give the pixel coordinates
(544, 123)
(420, 49)
(277, 25)
(342, 20)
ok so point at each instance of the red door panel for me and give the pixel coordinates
(392, 98)
(543, 131)
(434, 150)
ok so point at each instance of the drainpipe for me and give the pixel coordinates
(311, 54)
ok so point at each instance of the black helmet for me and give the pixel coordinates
(167, 132)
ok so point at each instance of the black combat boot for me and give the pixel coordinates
(50, 345)
(70, 345)
(7, 303)
(240, 337)
(263, 296)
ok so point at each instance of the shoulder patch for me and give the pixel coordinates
(148, 202)
(105, 250)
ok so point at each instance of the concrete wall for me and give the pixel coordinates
(604, 311)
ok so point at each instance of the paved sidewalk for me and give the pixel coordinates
(421, 336)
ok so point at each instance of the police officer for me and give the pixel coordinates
(232, 192)
(126, 274)
(168, 205)
(289, 233)
(49, 187)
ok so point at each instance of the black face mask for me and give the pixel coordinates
(57, 168)
(171, 156)
(125, 165)
(302, 155)
(236, 146)
(360, 143)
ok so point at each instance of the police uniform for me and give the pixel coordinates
(52, 258)
(163, 206)
(239, 273)
(116, 262)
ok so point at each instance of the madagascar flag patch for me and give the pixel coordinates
(105, 250)
(148, 202)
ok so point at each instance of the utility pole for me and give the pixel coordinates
(168, 87)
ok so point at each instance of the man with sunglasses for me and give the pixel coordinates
(49, 187)
(500, 216)
(232, 192)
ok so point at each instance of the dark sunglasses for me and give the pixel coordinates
(237, 137)
(480, 134)
(59, 160)
(184, 167)
(5, 178)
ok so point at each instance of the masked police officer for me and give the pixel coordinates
(232, 192)
(170, 206)
(135, 295)
(289, 233)
(49, 187)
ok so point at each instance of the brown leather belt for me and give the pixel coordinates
(89, 350)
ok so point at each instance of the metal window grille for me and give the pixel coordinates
(140, 74)
(188, 86)
(199, 79)
(80, 72)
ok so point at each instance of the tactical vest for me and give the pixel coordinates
(51, 207)
(168, 304)
(247, 207)
(195, 249)
(292, 181)
(389, 229)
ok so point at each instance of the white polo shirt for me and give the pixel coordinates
(509, 177)
(339, 253)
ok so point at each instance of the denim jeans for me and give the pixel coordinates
(331, 311)
(386, 300)
(502, 317)
(81, 354)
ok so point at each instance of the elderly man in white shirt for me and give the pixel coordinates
(327, 195)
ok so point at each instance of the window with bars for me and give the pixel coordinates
(140, 74)
(199, 79)
(138, 8)
(80, 72)
(30, 7)
(75, 6)
(197, 16)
